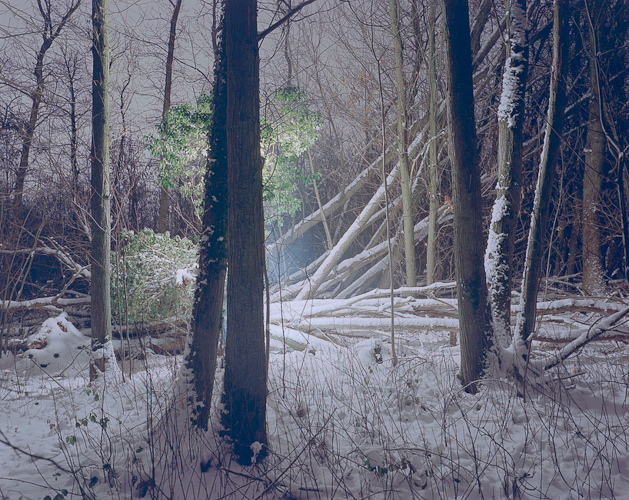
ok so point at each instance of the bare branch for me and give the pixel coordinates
(285, 18)
(584, 338)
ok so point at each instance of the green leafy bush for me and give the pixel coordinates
(153, 277)
(181, 144)
(285, 139)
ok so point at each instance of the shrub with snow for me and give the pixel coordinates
(153, 277)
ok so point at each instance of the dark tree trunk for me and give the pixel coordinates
(162, 224)
(100, 203)
(469, 245)
(245, 374)
(208, 301)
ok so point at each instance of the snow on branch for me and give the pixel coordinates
(586, 336)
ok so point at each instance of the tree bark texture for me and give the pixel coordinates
(100, 202)
(208, 299)
(469, 245)
(499, 254)
(433, 172)
(245, 374)
(593, 282)
(525, 326)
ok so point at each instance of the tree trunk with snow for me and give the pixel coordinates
(556, 106)
(100, 204)
(245, 366)
(499, 253)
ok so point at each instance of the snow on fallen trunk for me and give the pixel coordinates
(359, 224)
(347, 239)
(586, 335)
(330, 207)
(350, 324)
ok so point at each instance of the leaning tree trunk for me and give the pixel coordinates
(100, 204)
(499, 254)
(245, 365)
(433, 171)
(208, 299)
(593, 283)
(525, 326)
(402, 132)
(469, 246)
(162, 222)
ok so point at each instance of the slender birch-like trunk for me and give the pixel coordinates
(525, 326)
(402, 132)
(433, 172)
(101, 191)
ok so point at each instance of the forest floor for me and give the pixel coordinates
(343, 422)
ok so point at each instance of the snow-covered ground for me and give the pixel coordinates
(340, 423)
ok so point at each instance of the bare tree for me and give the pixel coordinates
(50, 32)
(525, 325)
(163, 192)
(402, 132)
(101, 189)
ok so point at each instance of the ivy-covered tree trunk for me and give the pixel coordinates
(100, 203)
(245, 366)
(469, 244)
(499, 254)
(208, 300)
(556, 106)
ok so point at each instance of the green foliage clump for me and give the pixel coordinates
(284, 141)
(181, 144)
(153, 277)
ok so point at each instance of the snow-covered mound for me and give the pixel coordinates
(58, 349)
